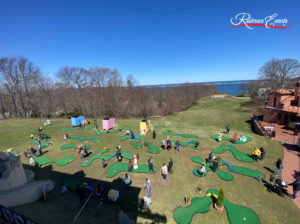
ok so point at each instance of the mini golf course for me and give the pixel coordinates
(71, 145)
(42, 160)
(137, 137)
(223, 174)
(116, 168)
(236, 214)
(208, 167)
(126, 155)
(238, 141)
(236, 153)
(168, 132)
(84, 138)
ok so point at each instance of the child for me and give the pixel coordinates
(271, 179)
(103, 163)
(26, 153)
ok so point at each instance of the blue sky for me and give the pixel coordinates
(157, 41)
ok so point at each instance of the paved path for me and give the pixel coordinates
(290, 159)
(290, 165)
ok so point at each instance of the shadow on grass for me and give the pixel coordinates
(276, 188)
(270, 170)
(68, 204)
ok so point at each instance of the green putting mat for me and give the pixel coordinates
(152, 149)
(236, 214)
(182, 135)
(42, 160)
(246, 171)
(72, 145)
(239, 214)
(136, 145)
(126, 155)
(43, 142)
(96, 156)
(182, 143)
(83, 138)
(184, 215)
(236, 153)
(238, 141)
(116, 168)
(208, 167)
(138, 137)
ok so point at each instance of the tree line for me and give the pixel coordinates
(25, 91)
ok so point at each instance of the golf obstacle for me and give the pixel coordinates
(236, 153)
(236, 214)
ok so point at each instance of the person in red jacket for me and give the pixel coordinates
(234, 137)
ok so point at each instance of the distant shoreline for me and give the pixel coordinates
(202, 83)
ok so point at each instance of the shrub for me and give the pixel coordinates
(221, 198)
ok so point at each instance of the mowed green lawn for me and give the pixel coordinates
(208, 117)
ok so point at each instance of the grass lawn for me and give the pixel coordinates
(208, 117)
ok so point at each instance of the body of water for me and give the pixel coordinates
(229, 87)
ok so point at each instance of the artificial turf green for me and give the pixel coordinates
(236, 153)
(116, 168)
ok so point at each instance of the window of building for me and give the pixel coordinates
(279, 117)
(274, 102)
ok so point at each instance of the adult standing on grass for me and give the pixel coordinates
(80, 193)
(164, 171)
(163, 144)
(296, 187)
(215, 165)
(132, 135)
(39, 148)
(278, 166)
(170, 166)
(127, 181)
(153, 135)
(150, 164)
(147, 186)
(177, 147)
(262, 153)
(130, 166)
(227, 129)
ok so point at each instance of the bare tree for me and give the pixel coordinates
(277, 72)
